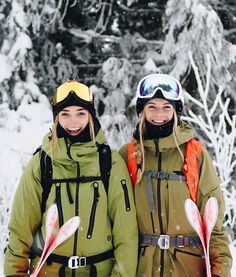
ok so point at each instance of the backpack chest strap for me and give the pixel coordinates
(81, 179)
(159, 175)
(164, 176)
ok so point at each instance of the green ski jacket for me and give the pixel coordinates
(168, 217)
(108, 220)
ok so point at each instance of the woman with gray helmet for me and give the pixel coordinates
(169, 246)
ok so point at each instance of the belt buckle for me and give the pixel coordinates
(76, 262)
(164, 242)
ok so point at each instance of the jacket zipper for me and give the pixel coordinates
(59, 205)
(156, 141)
(73, 274)
(126, 195)
(93, 211)
(68, 146)
(153, 227)
(159, 212)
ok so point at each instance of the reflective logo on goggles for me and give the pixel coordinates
(81, 90)
(149, 85)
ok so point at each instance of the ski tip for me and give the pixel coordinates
(189, 203)
(76, 220)
(52, 209)
(213, 199)
(213, 203)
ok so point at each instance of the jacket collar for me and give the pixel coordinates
(183, 134)
(65, 152)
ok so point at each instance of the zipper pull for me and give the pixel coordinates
(96, 193)
(156, 141)
(68, 146)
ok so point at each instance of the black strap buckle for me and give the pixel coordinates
(76, 262)
(162, 175)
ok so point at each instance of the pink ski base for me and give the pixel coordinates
(52, 241)
(203, 228)
(51, 220)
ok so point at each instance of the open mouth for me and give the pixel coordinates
(158, 122)
(73, 131)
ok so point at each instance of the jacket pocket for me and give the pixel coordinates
(126, 195)
(142, 249)
(93, 210)
(189, 263)
(179, 252)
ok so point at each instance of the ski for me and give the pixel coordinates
(209, 220)
(203, 227)
(194, 218)
(51, 220)
(54, 240)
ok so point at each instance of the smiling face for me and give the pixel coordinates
(73, 119)
(158, 111)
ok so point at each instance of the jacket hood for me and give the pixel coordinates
(183, 134)
(66, 151)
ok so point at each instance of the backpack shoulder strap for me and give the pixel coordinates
(105, 162)
(46, 177)
(37, 150)
(191, 167)
(132, 163)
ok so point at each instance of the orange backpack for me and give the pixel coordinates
(192, 154)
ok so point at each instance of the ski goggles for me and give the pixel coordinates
(170, 87)
(80, 90)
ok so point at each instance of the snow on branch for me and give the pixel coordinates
(218, 132)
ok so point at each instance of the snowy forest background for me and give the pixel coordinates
(110, 45)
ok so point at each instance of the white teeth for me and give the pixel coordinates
(158, 121)
(73, 129)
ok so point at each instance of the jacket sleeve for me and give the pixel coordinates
(209, 185)
(124, 152)
(25, 219)
(123, 216)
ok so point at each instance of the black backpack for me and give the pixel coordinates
(46, 168)
(46, 172)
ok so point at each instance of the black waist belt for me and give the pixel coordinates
(74, 262)
(165, 241)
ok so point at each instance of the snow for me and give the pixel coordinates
(21, 131)
(18, 48)
(5, 69)
(20, 134)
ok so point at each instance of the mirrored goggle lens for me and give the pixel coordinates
(79, 89)
(168, 85)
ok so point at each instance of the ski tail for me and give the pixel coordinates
(209, 220)
(51, 220)
(54, 240)
(195, 220)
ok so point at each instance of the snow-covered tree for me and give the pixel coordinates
(194, 26)
(218, 135)
(109, 45)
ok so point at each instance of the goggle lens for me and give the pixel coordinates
(169, 86)
(81, 90)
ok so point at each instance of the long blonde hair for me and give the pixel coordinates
(139, 146)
